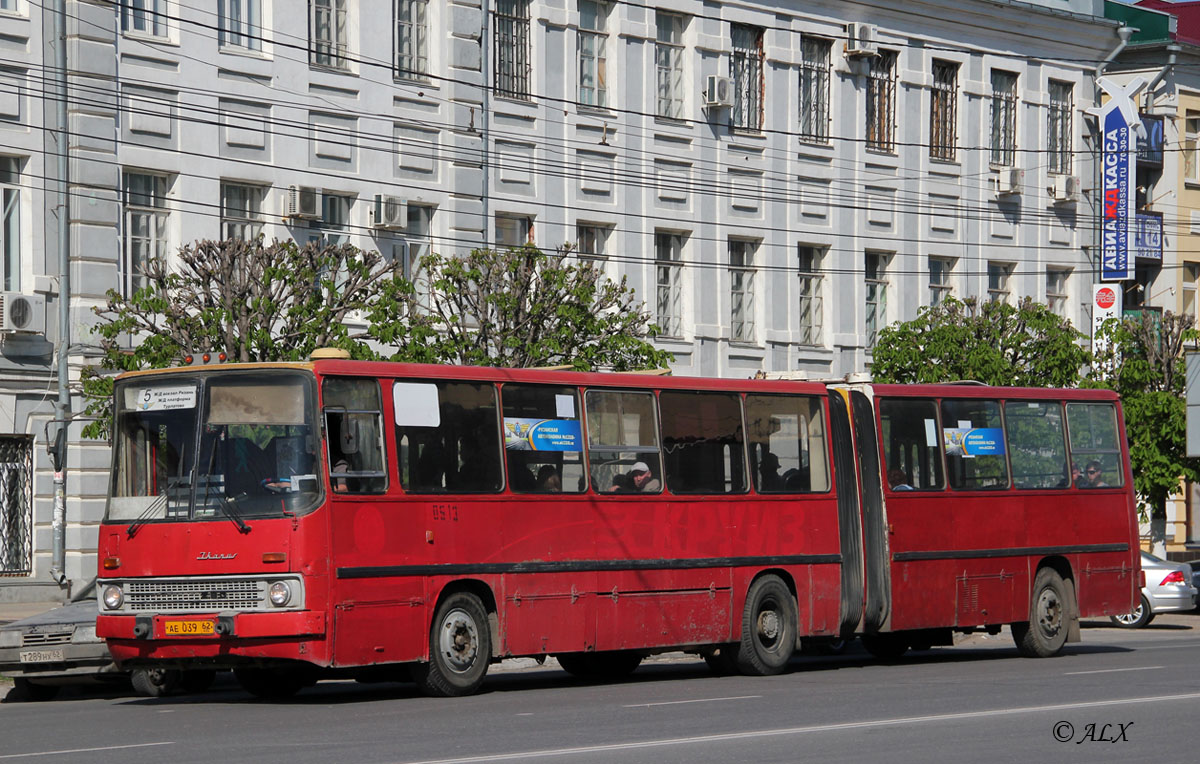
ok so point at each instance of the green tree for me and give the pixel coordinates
(991, 342)
(1142, 360)
(519, 307)
(251, 300)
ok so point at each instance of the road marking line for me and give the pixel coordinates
(732, 736)
(1111, 671)
(698, 700)
(80, 750)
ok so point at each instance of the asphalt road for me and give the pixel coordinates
(1118, 695)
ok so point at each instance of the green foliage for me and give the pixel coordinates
(516, 308)
(1142, 360)
(994, 343)
(250, 300)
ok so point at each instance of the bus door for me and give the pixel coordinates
(866, 583)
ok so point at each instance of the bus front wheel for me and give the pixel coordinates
(460, 648)
(1049, 617)
(768, 628)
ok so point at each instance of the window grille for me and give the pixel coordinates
(881, 102)
(814, 89)
(746, 71)
(16, 508)
(943, 111)
(510, 48)
(1059, 128)
(1004, 118)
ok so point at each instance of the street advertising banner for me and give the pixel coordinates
(1148, 236)
(1120, 127)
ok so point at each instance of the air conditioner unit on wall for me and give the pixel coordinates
(304, 203)
(718, 92)
(860, 39)
(22, 313)
(390, 213)
(1010, 181)
(1064, 188)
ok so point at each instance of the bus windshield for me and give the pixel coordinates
(214, 446)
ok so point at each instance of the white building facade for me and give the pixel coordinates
(779, 181)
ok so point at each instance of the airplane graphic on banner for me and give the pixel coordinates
(1120, 126)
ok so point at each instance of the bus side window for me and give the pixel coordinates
(911, 446)
(973, 439)
(703, 447)
(354, 435)
(543, 440)
(788, 449)
(623, 452)
(1095, 444)
(448, 433)
(1037, 444)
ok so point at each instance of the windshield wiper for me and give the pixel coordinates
(229, 511)
(141, 519)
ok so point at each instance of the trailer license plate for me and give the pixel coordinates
(187, 628)
(42, 656)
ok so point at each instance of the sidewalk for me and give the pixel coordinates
(15, 611)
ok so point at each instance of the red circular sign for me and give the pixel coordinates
(1105, 298)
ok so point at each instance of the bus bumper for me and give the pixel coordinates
(232, 636)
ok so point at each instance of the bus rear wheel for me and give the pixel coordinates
(154, 682)
(460, 648)
(768, 628)
(1049, 617)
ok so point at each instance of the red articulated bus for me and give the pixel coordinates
(377, 520)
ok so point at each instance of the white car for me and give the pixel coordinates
(1168, 589)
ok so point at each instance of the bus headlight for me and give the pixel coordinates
(281, 593)
(113, 597)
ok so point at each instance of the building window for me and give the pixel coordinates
(1056, 290)
(881, 102)
(333, 229)
(418, 239)
(741, 289)
(591, 241)
(943, 111)
(513, 231)
(668, 259)
(327, 32)
(412, 39)
(1059, 127)
(144, 17)
(146, 218)
(811, 307)
(1004, 118)
(16, 519)
(746, 72)
(814, 89)
(593, 53)
(10, 225)
(241, 211)
(1191, 145)
(876, 282)
(240, 24)
(668, 64)
(998, 278)
(940, 269)
(1191, 278)
(510, 48)
(8, 6)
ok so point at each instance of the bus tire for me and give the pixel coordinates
(155, 682)
(460, 648)
(271, 683)
(1044, 634)
(769, 625)
(616, 664)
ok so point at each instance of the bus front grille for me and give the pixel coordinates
(196, 595)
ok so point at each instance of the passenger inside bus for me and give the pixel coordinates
(548, 479)
(639, 479)
(768, 471)
(1094, 475)
(897, 480)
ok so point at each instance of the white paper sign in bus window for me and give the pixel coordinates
(416, 404)
(163, 398)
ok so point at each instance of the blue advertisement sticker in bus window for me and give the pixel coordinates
(529, 434)
(973, 441)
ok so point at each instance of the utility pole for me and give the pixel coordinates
(62, 408)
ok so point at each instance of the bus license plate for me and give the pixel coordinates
(188, 628)
(42, 656)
